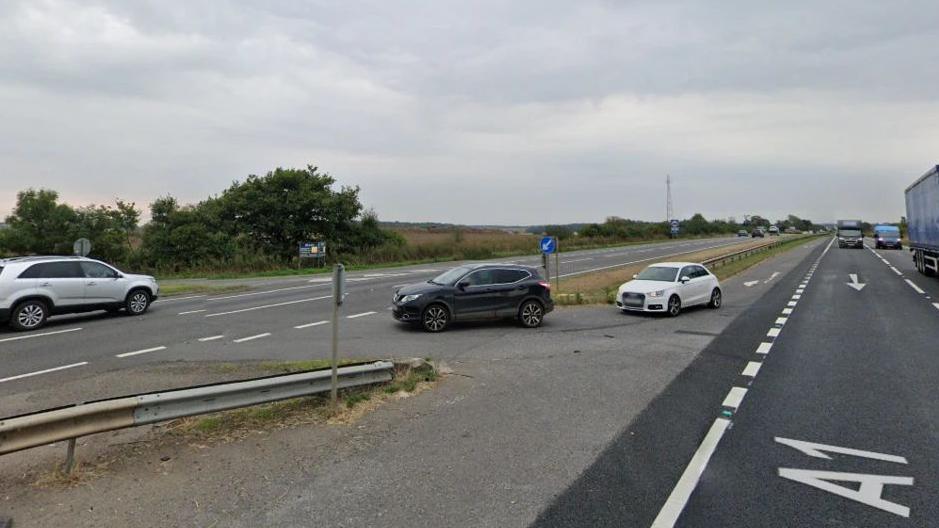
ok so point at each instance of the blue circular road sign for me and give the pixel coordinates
(549, 244)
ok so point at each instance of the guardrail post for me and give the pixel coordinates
(70, 456)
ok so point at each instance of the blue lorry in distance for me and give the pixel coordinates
(922, 216)
(887, 237)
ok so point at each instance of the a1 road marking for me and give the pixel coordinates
(871, 487)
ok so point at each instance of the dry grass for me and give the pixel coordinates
(600, 287)
(353, 403)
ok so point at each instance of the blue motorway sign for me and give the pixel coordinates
(674, 224)
(549, 245)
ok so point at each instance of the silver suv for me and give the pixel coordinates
(33, 288)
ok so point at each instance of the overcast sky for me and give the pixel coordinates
(521, 112)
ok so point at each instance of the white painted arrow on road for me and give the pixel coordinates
(854, 283)
(773, 276)
(750, 283)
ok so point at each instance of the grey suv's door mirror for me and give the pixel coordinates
(684, 279)
(462, 285)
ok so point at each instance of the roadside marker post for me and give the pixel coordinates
(339, 290)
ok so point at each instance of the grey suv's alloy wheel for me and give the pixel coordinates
(531, 314)
(716, 299)
(674, 306)
(435, 318)
(137, 302)
(29, 315)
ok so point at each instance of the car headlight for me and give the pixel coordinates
(409, 298)
(659, 293)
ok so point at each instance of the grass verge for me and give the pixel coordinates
(600, 287)
(289, 272)
(353, 403)
(180, 289)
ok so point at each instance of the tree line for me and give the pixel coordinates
(257, 223)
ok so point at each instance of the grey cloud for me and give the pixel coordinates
(452, 110)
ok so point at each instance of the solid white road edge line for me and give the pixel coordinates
(249, 338)
(262, 307)
(38, 372)
(171, 299)
(752, 368)
(258, 293)
(660, 257)
(679, 496)
(308, 325)
(138, 352)
(30, 336)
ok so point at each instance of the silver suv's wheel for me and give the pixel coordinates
(29, 315)
(531, 314)
(137, 302)
(435, 318)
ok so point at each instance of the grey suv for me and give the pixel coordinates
(33, 288)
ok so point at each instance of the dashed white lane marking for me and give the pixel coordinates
(211, 338)
(238, 296)
(773, 332)
(915, 287)
(781, 320)
(797, 296)
(138, 352)
(363, 314)
(764, 348)
(275, 305)
(787, 311)
(800, 291)
(791, 303)
(734, 397)
(679, 496)
(38, 372)
(751, 369)
(895, 270)
(936, 305)
(250, 338)
(191, 312)
(30, 336)
(171, 299)
(308, 325)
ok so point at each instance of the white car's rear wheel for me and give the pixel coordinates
(716, 299)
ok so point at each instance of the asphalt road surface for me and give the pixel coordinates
(282, 318)
(816, 408)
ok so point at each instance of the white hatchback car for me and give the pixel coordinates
(667, 287)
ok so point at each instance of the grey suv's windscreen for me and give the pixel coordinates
(849, 233)
(658, 273)
(450, 277)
